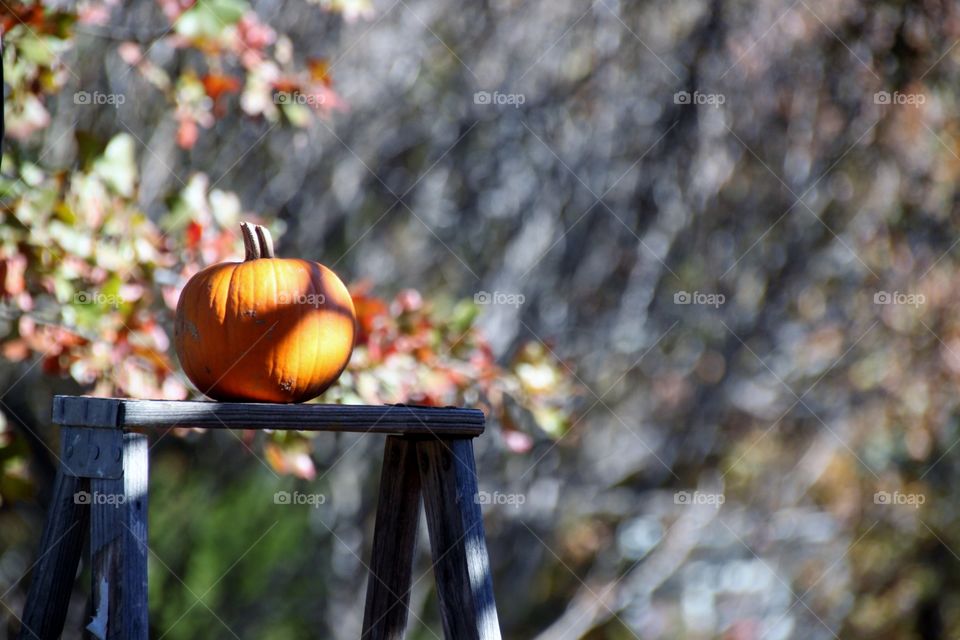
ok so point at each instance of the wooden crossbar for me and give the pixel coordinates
(411, 420)
(428, 458)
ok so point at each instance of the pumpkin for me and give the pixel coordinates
(266, 329)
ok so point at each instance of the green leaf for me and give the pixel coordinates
(62, 288)
(463, 316)
(118, 166)
(298, 115)
(208, 18)
(40, 51)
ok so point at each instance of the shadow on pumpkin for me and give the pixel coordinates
(288, 345)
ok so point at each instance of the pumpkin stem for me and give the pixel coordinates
(250, 245)
(266, 242)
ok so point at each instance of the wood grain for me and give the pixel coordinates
(429, 453)
(394, 541)
(84, 411)
(56, 567)
(448, 479)
(118, 548)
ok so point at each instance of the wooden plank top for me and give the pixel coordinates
(121, 413)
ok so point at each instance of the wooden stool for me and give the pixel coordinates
(102, 483)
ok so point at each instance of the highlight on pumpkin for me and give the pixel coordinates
(265, 329)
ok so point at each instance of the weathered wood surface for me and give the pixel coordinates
(84, 411)
(118, 548)
(429, 455)
(448, 479)
(92, 453)
(394, 541)
(56, 566)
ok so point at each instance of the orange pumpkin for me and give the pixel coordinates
(266, 329)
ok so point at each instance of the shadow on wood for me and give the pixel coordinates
(394, 540)
(56, 567)
(427, 453)
(461, 567)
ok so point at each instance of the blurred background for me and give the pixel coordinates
(695, 260)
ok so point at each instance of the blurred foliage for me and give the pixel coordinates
(817, 197)
(90, 281)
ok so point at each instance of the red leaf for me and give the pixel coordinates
(370, 312)
(407, 300)
(16, 350)
(255, 34)
(286, 85)
(187, 134)
(517, 441)
(51, 365)
(194, 234)
(11, 275)
(320, 71)
(217, 85)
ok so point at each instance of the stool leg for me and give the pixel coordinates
(461, 568)
(118, 547)
(56, 568)
(394, 540)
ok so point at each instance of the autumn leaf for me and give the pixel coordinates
(319, 69)
(193, 233)
(187, 133)
(12, 275)
(218, 86)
